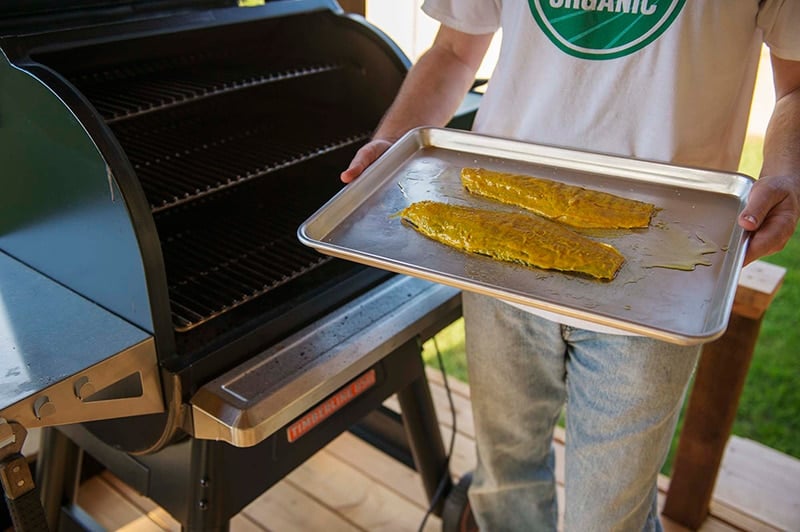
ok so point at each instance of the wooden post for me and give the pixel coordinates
(354, 6)
(719, 380)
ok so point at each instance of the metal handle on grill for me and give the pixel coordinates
(27, 513)
(22, 497)
(253, 400)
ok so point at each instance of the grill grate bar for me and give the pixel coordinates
(210, 295)
(213, 268)
(179, 178)
(238, 238)
(131, 95)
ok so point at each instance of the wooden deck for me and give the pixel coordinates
(351, 486)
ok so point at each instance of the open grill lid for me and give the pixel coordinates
(48, 67)
(23, 17)
(56, 7)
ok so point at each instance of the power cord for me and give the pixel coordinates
(446, 473)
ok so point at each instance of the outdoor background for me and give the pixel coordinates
(769, 410)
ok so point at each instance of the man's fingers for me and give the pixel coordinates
(771, 236)
(766, 193)
(755, 211)
(353, 171)
(363, 158)
(771, 215)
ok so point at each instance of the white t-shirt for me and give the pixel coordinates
(668, 81)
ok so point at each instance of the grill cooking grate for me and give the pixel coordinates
(180, 162)
(230, 178)
(180, 177)
(213, 268)
(135, 90)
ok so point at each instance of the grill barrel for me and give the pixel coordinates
(214, 135)
(159, 166)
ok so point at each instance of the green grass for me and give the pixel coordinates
(769, 408)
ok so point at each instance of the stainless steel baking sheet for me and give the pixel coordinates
(696, 219)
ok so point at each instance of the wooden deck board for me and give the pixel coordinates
(112, 509)
(768, 488)
(351, 486)
(358, 498)
(287, 508)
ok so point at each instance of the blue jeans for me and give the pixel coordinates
(623, 397)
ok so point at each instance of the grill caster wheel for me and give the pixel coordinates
(457, 513)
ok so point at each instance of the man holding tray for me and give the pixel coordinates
(666, 80)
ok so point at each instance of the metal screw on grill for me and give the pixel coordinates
(83, 388)
(43, 407)
(203, 504)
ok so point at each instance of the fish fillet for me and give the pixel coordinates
(572, 205)
(513, 237)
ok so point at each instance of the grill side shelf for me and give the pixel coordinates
(63, 359)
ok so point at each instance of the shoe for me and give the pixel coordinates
(457, 515)
(467, 522)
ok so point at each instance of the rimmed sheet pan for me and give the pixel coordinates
(696, 222)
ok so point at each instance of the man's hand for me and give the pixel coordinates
(771, 214)
(364, 157)
(773, 207)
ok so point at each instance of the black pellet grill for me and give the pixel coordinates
(157, 311)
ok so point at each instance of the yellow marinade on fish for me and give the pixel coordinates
(572, 205)
(513, 237)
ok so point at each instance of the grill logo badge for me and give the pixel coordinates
(330, 406)
(604, 29)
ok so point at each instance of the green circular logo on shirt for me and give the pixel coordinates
(604, 29)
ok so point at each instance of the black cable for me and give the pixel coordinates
(446, 473)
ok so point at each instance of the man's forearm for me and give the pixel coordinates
(435, 85)
(430, 94)
(782, 139)
(773, 206)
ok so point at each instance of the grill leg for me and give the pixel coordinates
(58, 471)
(425, 438)
(206, 510)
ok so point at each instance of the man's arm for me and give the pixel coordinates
(430, 94)
(773, 207)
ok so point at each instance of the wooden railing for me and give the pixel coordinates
(714, 399)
